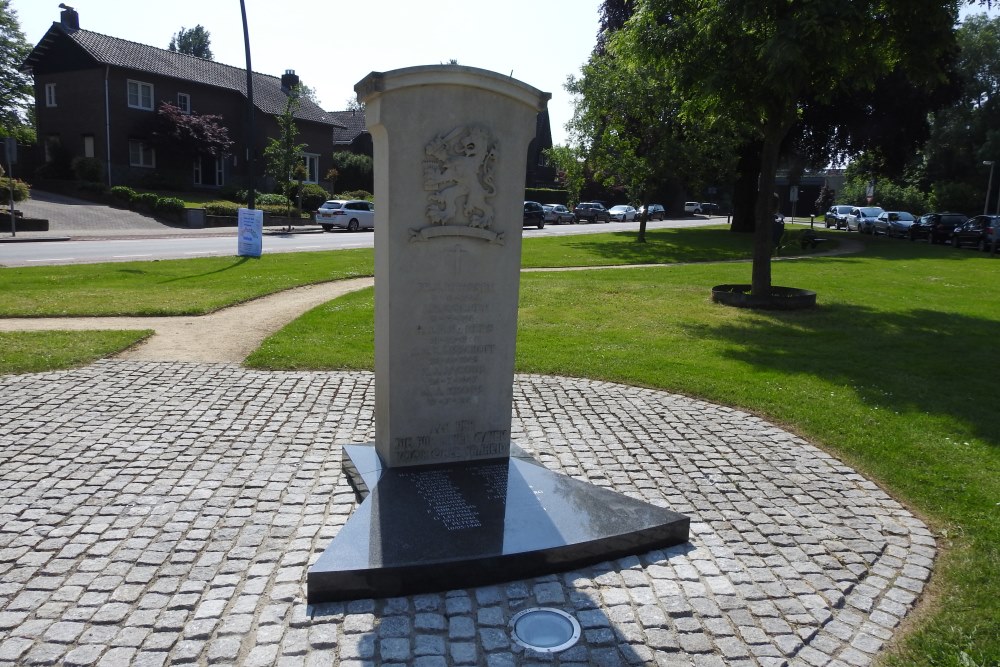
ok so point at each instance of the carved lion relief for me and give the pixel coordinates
(459, 174)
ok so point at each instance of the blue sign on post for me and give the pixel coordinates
(250, 232)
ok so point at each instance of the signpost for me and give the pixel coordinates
(10, 150)
(250, 232)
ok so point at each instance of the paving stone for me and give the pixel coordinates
(211, 509)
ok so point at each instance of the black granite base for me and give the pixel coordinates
(460, 525)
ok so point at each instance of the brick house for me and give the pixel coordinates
(95, 96)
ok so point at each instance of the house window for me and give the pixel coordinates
(50, 94)
(184, 102)
(311, 161)
(140, 95)
(141, 155)
(88, 145)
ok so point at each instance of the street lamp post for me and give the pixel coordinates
(250, 157)
(989, 186)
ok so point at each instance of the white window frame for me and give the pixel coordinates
(217, 167)
(311, 161)
(140, 95)
(184, 102)
(141, 155)
(50, 94)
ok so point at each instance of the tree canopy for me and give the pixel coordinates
(190, 134)
(194, 42)
(755, 65)
(16, 89)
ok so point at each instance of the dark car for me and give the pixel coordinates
(837, 216)
(656, 212)
(937, 227)
(978, 232)
(591, 211)
(534, 214)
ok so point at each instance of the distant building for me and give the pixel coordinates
(95, 96)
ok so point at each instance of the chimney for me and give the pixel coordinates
(289, 80)
(68, 17)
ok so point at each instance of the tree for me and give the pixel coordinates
(755, 64)
(625, 124)
(282, 155)
(189, 134)
(194, 42)
(568, 162)
(354, 171)
(16, 89)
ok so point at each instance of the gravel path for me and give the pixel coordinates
(227, 335)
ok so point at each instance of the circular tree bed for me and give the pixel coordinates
(780, 298)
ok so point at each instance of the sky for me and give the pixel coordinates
(332, 46)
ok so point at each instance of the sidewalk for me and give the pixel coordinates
(71, 218)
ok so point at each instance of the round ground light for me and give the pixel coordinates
(544, 629)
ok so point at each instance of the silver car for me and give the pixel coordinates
(862, 218)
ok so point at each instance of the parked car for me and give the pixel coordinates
(938, 227)
(837, 216)
(591, 211)
(558, 214)
(692, 208)
(861, 218)
(893, 223)
(349, 214)
(980, 232)
(534, 214)
(656, 212)
(623, 213)
(709, 208)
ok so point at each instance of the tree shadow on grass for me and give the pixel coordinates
(920, 360)
(238, 262)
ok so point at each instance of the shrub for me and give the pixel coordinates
(263, 198)
(146, 200)
(123, 194)
(21, 189)
(354, 194)
(280, 210)
(226, 208)
(169, 205)
(88, 169)
(313, 196)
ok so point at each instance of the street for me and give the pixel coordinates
(36, 250)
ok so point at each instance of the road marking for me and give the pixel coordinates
(306, 247)
(130, 256)
(199, 252)
(53, 259)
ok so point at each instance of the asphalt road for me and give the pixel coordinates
(82, 232)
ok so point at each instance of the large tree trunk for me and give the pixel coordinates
(745, 188)
(775, 129)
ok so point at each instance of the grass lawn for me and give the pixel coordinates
(895, 371)
(38, 351)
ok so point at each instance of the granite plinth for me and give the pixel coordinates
(468, 524)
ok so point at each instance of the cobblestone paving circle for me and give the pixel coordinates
(166, 513)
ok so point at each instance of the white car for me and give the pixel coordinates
(349, 214)
(623, 213)
(692, 208)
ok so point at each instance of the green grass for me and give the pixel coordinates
(38, 351)
(894, 371)
(168, 287)
(662, 246)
